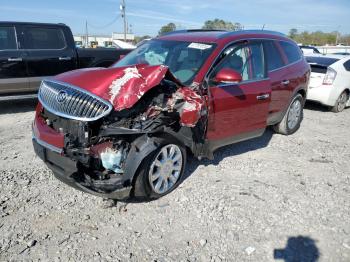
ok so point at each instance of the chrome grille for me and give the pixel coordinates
(72, 102)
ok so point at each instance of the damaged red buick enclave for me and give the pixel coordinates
(125, 131)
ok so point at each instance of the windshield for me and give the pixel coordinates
(184, 59)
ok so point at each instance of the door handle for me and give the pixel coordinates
(64, 58)
(263, 97)
(285, 82)
(15, 59)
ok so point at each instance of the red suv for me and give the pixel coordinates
(125, 131)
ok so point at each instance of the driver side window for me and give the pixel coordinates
(246, 59)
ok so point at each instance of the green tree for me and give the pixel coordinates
(293, 33)
(167, 28)
(314, 38)
(344, 39)
(219, 24)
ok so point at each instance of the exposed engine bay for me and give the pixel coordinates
(108, 150)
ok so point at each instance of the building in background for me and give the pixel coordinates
(116, 40)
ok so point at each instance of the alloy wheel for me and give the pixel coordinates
(294, 114)
(342, 102)
(165, 169)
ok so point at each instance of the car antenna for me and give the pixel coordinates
(262, 29)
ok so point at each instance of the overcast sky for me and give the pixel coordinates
(147, 16)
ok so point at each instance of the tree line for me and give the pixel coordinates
(318, 38)
(216, 24)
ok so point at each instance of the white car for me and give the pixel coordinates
(309, 50)
(330, 81)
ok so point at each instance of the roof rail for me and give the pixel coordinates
(193, 30)
(225, 32)
(252, 32)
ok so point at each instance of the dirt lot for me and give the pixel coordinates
(259, 200)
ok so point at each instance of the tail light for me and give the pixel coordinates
(330, 76)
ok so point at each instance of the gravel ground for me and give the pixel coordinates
(274, 197)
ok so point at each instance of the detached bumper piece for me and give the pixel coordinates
(69, 172)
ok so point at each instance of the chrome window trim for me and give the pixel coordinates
(47, 145)
(247, 39)
(286, 66)
(243, 82)
(85, 119)
(290, 64)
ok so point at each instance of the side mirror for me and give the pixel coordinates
(228, 76)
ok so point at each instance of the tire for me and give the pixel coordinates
(143, 188)
(292, 118)
(340, 104)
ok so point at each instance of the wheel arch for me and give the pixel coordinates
(302, 92)
(142, 147)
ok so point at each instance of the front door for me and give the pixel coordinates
(239, 110)
(13, 70)
(48, 53)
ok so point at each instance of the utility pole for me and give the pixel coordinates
(122, 9)
(337, 37)
(86, 35)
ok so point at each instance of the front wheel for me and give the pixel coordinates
(160, 172)
(293, 117)
(340, 104)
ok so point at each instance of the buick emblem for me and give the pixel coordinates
(61, 96)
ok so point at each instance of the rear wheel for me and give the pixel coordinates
(340, 104)
(293, 117)
(160, 172)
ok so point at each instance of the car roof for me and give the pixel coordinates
(214, 36)
(30, 23)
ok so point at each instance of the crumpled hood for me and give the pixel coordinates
(122, 86)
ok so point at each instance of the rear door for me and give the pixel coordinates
(279, 77)
(239, 111)
(48, 52)
(13, 70)
(296, 69)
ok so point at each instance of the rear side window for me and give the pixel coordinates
(292, 51)
(44, 38)
(273, 56)
(7, 38)
(347, 65)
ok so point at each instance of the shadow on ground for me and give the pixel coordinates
(18, 106)
(21, 106)
(300, 248)
(220, 154)
(316, 107)
(229, 151)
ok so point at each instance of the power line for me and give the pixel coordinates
(106, 25)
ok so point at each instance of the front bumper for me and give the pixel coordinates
(66, 170)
